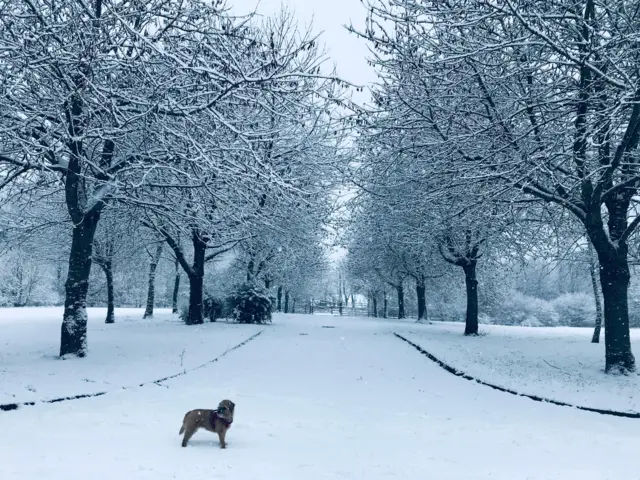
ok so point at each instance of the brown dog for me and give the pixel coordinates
(218, 421)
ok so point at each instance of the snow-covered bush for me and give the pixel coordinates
(575, 309)
(520, 309)
(213, 308)
(25, 281)
(453, 311)
(251, 304)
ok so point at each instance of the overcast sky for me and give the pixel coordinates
(348, 52)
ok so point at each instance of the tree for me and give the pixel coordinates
(465, 254)
(154, 259)
(106, 107)
(103, 253)
(537, 99)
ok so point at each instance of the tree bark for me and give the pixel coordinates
(195, 314)
(108, 272)
(286, 302)
(280, 298)
(176, 290)
(614, 278)
(421, 291)
(73, 334)
(250, 267)
(267, 283)
(353, 302)
(385, 305)
(400, 289)
(151, 291)
(375, 306)
(471, 324)
(595, 284)
(196, 281)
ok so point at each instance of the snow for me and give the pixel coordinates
(130, 352)
(345, 402)
(559, 363)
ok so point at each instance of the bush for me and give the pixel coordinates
(520, 309)
(251, 304)
(183, 311)
(575, 309)
(213, 308)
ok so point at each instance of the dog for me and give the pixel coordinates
(218, 421)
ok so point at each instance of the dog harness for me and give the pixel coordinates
(224, 421)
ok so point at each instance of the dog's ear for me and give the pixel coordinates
(233, 405)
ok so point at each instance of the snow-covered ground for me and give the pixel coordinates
(557, 363)
(314, 403)
(130, 352)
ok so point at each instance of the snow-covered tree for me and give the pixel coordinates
(536, 99)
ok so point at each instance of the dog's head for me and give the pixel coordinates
(225, 409)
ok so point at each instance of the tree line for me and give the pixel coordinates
(496, 127)
(171, 123)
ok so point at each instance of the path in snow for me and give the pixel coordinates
(349, 402)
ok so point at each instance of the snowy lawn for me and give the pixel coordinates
(557, 363)
(348, 402)
(127, 353)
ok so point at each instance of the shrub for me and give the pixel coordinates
(213, 308)
(575, 309)
(183, 311)
(520, 309)
(251, 304)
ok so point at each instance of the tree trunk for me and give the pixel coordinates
(286, 302)
(375, 306)
(293, 306)
(250, 271)
(353, 302)
(614, 279)
(151, 291)
(280, 298)
(267, 283)
(421, 291)
(400, 301)
(196, 282)
(108, 271)
(385, 305)
(595, 284)
(195, 314)
(176, 289)
(73, 334)
(471, 325)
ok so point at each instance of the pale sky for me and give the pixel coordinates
(347, 51)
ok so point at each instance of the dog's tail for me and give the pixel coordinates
(182, 427)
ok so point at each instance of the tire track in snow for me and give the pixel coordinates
(14, 406)
(536, 398)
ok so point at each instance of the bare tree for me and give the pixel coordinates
(595, 283)
(534, 99)
(102, 108)
(103, 253)
(154, 258)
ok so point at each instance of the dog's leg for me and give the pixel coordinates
(221, 435)
(189, 431)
